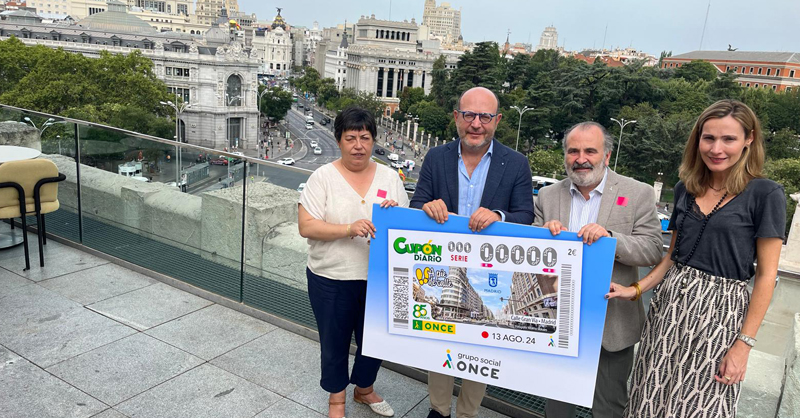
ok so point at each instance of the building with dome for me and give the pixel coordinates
(116, 19)
(275, 48)
(215, 71)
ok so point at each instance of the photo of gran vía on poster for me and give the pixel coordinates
(512, 300)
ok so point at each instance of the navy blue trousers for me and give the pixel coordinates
(339, 309)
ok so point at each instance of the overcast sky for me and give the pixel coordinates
(648, 25)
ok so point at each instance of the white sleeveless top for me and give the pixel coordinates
(328, 196)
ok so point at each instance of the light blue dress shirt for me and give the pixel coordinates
(470, 188)
(582, 211)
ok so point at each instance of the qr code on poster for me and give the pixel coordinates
(400, 299)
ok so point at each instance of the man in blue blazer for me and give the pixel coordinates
(479, 177)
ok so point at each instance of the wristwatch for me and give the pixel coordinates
(747, 339)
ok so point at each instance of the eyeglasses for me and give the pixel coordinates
(483, 117)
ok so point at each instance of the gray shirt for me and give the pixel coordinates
(728, 245)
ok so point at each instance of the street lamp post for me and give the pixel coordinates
(622, 123)
(519, 126)
(178, 110)
(48, 123)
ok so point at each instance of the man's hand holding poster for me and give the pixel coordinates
(511, 306)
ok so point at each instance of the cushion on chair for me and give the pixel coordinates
(27, 173)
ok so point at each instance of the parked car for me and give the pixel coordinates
(314, 143)
(286, 161)
(309, 126)
(410, 186)
(326, 119)
(393, 157)
(219, 161)
(539, 182)
(322, 122)
(397, 164)
(317, 151)
(380, 151)
(299, 105)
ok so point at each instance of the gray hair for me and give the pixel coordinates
(608, 140)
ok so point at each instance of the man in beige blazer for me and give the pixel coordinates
(597, 202)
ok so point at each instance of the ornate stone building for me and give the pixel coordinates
(387, 57)
(216, 74)
(534, 295)
(275, 48)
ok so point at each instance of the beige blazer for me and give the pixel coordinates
(637, 229)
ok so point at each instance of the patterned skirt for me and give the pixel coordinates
(694, 318)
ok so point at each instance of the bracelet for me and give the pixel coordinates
(638, 291)
(348, 231)
(746, 339)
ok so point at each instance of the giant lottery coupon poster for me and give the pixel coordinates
(511, 306)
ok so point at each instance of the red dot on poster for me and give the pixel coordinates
(485, 334)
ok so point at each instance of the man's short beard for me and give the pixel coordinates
(591, 178)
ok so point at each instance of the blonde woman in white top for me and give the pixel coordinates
(334, 214)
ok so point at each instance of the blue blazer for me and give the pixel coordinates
(508, 183)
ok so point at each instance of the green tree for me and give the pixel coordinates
(440, 91)
(118, 90)
(783, 110)
(275, 103)
(310, 82)
(327, 91)
(411, 96)
(653, 144)
(783, 144)
(433, 118)
(546, 162)
(697, 70)
(482, 67)
(787, 173)
(724, 87)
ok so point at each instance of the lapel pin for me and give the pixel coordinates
(622, 201)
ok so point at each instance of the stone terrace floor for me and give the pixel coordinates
(83, 337)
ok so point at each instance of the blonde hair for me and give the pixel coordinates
(695, 174)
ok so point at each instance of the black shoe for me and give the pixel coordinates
(434, 414)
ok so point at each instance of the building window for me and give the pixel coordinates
(778, 72)
(769, 71)
(774, 87)
(789, 88)
(760, 70)
(755, 85)
(180, 92)
(791, 74)
(233, 91)
(751, 70)
(748, 85)
(727, 68)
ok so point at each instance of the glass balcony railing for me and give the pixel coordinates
(216, 220)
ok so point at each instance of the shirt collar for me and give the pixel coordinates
(598, 189)
(488, 152)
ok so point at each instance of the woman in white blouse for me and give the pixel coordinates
(334, 214)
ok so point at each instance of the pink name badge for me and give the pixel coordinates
(382, 194)
(622, 201)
